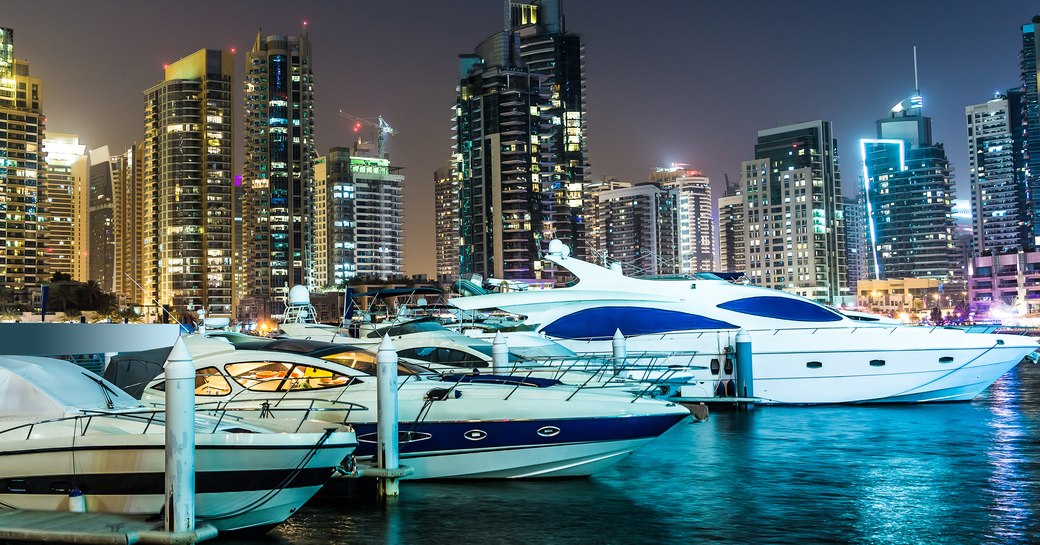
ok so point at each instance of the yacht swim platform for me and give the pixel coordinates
(93, 529)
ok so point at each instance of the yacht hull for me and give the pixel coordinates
(243, 480)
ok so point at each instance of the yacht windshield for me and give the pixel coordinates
(278, 376)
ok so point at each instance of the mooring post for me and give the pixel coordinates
(499, 355)
(620, 348)
(745, 378)
(386, 414)
(180, 440)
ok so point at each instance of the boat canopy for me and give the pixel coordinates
(41, 388)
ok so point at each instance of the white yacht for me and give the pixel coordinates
(452, 427)
(803, 352)
(63, 427)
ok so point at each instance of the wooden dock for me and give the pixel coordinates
(92, 529)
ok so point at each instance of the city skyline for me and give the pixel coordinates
(681, 89)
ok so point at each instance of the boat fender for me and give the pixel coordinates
(458, 394)
(77, 501)
(436, 394)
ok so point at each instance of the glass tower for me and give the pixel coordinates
(1031, 116)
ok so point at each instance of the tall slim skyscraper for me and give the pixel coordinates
(640, 225)
(547, 48)
(21, 111)
(187, 157)
(100, 213)
(278, 174)
(595, 216)
(128, 223)
(446, 218)
(61, 192)
(732, 257)
(794, 222)
(1000, 216)
(360, 225)
(520, 145)
(696, 228)
(910, 193)
(1031, 116)
(855, 209)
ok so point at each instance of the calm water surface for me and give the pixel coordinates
(948, 473)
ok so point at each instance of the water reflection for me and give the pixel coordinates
(947, 473)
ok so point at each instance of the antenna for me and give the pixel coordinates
(917, 88)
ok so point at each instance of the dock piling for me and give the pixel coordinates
(499, 354)
(387, 414)
(180, 441)
(745, 378)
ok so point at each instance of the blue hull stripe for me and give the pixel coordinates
(451, 437)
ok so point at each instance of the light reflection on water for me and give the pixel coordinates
(944, 473)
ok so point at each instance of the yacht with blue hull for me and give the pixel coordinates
(803, 352)
(455, 426)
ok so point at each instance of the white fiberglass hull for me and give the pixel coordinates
(243, 480)
(848, 365)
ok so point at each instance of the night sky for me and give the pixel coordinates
(679, 81)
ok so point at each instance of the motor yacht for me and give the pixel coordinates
(458, 426)
(803, 352)
(63, 428)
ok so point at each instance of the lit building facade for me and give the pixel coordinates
(128, 224)
(732, 231)
(21, 111)
(641, 228)
(595, 214)
(794, 236)
(446, 218)
(61, 196)
(278, 175)
(100, 219)
(1000, 215)
(910, 198)
(855, 214)
(1030, 111)
(696, 228)
(187, 164)
(912, 296)
(1007, 284)
(360, 225)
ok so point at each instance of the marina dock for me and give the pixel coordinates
(93, 529)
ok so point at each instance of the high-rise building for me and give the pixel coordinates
(731, 231)
(910, 196)
(187, 162)
(1030, 110)
(61, 194)
(1000, 216)
(278, 174)
(547, 48)
(446, 218)
(640, 228)
(21, 111)
(128, 224)
(595, 215)
(696, 228)
(100, 220)
(520, 144)
(359, 223)
(794, 223)
(855, 213)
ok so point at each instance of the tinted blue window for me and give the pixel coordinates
(784, 308)
(602, 322)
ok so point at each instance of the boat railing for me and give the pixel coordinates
(268, 407)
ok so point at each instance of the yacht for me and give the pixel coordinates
(64, 428)
(455, 426)
(803, 352)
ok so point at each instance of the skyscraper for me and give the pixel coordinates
(595, 215)
(128, 224)
(910, 193)
(446, 218)
(278, 174)
(732, 257)
(187, 160)
(360, 224)
(100, 213)
(1000, 216)
(21, 112)
(1031, 116)
(855, 213)
(794, 222)
(640, 228)
(520, 145)
(696, 228)
(61, 192)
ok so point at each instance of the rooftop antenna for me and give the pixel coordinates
(917, 88)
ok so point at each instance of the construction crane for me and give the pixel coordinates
(383, 129)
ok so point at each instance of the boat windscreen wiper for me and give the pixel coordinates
(104, 390)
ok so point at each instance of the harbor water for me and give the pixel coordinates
(960, 473)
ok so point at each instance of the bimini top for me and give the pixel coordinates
(40, 388)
